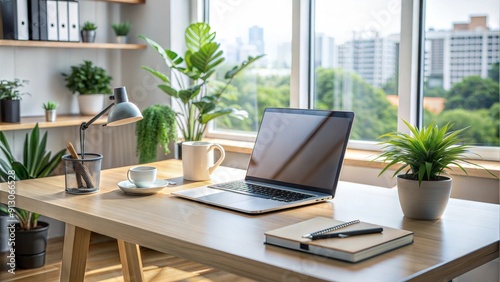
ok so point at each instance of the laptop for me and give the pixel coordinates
(296, 161)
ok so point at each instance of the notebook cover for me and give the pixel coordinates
(352, 249)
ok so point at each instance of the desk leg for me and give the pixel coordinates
(130, 257)
(75, 253)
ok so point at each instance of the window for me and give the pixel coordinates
(463, 88)
(366, 56)
(356, 62)
(249, 28)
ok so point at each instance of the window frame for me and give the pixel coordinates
(410, 71)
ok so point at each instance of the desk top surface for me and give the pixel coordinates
(465, 237)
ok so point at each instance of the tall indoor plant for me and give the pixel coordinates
(426, 154)
(37, 163)
(10, 99)
(197, 102)
(92, 83)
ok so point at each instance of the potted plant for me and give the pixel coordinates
(197, 102)
(426, 154)
(5, 220)
(50, 111)
(157, 127)
(92, 83)
(10, 100)
(88, 31)
(121, 30)
(37, 163)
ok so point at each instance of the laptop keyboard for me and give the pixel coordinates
(262, 191)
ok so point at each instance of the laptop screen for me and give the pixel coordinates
(301, 148)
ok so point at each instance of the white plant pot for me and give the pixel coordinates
(91, 104)
(427, 201)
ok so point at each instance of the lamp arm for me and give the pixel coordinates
(86, 125)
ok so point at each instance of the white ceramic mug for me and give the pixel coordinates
(198, 159)
(142, 176)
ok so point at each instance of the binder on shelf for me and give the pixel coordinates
(15, 19)
(33, 20)
(62, 20)
(52, 30)
(42, 19)
(73, 21)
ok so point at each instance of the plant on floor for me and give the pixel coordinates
(198, 103)
(427, 153)
(37, 163)
(156, 128)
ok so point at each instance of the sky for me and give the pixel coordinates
(339, 18)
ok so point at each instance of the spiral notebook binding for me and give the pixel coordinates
(333, 228)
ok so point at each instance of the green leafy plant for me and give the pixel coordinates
(426, 153)
(9, 89)
(88, 79)
(196, 100)
(88, 26)
(122, 28)
(50, 105)
(157, 127)
(37, 163)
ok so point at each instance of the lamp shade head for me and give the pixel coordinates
(123, 112)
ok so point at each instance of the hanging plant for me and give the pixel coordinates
(156, 128)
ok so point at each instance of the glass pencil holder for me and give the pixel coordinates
(82, 176)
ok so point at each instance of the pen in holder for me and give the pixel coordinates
(82, 175)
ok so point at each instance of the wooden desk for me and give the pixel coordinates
(466, 237)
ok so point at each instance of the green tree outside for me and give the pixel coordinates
(473, 101)
(472, 93)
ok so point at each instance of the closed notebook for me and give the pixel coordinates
(352, 249)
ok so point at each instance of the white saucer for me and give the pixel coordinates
(129, 187)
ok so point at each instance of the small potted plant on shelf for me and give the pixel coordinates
(197, 101)
(10, 100)
(50, 111)
(121, 31)
(88, 31)
(37, 163)
(426, 154)
(92, 83)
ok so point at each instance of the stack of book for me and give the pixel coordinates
(51, 20)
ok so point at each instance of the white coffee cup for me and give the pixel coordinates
(198, 159)
(142, 176)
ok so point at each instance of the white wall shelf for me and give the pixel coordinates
(78, 45)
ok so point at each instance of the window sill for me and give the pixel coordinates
(364, 158)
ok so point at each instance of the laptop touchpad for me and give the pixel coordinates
(224, 198)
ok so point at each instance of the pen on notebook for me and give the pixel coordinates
(333, 228)
(346, 234)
